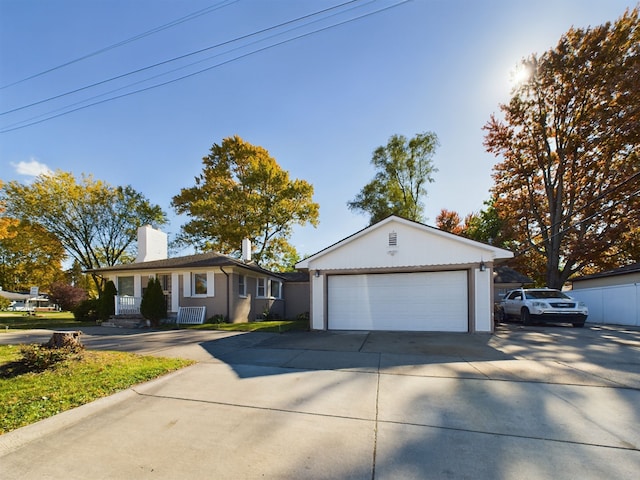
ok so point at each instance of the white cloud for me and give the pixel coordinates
(32, 168)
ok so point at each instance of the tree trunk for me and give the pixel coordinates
(65, 339)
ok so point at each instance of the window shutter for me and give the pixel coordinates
(186, 284)
(210, 285)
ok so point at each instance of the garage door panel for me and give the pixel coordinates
(426, 301)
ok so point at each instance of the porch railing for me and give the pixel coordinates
(126, 305)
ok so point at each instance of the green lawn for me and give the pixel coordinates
(54, 320)
(277, 326)
(48, 320)
(29, 396)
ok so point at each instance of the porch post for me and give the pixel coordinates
(175, 291)
(137, 286)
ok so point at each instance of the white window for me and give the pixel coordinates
(276, 289)
(242, 286)
(199, 284)
(269, 288)
(262, 287)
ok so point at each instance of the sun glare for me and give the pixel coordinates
(520, 75)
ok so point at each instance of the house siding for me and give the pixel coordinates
(612, 297)
(607, 281)
(297, 299)
(216, 304)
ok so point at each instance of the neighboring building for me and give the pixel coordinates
(506, 279)
(402, 275)
(613, 297)
(18, 300)
(237, 289)
(25, 301)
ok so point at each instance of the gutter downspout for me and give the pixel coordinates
(228, 294)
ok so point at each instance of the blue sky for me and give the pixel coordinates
(320, 104)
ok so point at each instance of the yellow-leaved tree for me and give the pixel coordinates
(95, 222)
(242, 192)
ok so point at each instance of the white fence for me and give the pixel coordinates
(191, 315)
(126, 305)
(616, 305)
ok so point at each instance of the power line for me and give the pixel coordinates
(20, 123)
(160, 28)
(180, 57)
(6, 130)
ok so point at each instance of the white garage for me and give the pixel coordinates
(404, 276)
(418, 301)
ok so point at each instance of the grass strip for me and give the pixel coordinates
(27, 397)
(275, 326)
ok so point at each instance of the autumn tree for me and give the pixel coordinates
(403, 168)
(95, 222)
(485, 226)
(242, 192)
(29, 256)
(5, 222)
(66, 296)
(569, 179)
(450, 221)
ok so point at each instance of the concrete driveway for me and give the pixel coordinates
(525, 403)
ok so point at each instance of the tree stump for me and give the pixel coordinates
(65, 339)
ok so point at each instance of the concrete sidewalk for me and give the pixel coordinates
(524, 403)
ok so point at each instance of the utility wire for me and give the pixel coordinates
(160, 28)
(6, 130)
(124, 87)
(180, 57)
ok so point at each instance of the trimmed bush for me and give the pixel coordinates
(106, 304)
(86, 311)
(153, 306)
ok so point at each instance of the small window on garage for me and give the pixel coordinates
(393, 239)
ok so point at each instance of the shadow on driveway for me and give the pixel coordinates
(354, 351)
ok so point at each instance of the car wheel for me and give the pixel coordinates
(578, 325)
(525, 316)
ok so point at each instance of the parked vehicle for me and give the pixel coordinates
(531, 305)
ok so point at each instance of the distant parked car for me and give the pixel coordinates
(531, 305)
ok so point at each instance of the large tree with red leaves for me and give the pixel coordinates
(569, 179)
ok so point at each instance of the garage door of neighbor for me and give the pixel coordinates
(424, 301)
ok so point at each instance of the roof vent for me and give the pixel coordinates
(393, 239)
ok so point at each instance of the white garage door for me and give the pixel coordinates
(425, 301)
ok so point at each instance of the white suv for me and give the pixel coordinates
(543, 305)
